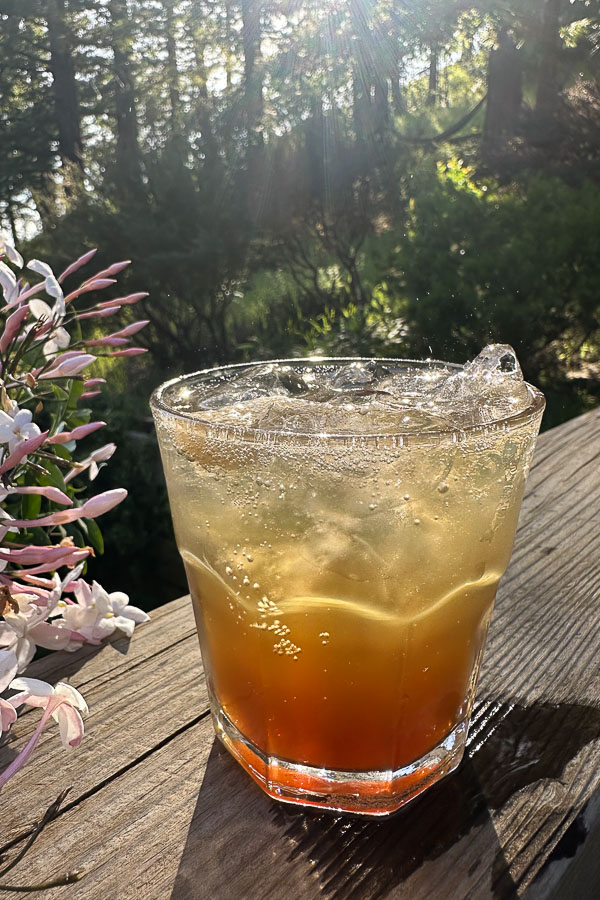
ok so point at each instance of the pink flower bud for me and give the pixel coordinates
(77, 264)
(36, 554)
(101, 503)
(87, 395)
(69, 367)
(13, 326)
(23, 448)
(95, 506)
(130, 351)
(46, 583)
(108, 341)
(100, 313)
(51, 493)
(26, 294)
(91, 382)
(41, 330)
(77, 434)
(132, 329)
(112, 270)
(72, 560)
(125, 301)
(95, 285)
(68, 354)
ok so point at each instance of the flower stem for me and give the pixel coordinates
(50, 814)
(69, 878)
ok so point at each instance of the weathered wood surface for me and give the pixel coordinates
(158, 810)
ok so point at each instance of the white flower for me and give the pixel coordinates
(8, 670)
(60, 584)
(16, 426)
(5, 528)
(59, 337)
(72, 365)
(22, 632)
(52, 286)
(9, 284)
(12, 255)
(97, 613)
(89, 615)
(14, 630)
(96, 456)
(63, 702)
(126, 616)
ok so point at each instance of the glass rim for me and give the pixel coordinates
(158, 404)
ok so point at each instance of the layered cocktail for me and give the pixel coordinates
(344, 525)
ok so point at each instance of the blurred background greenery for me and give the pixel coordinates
(390, 177)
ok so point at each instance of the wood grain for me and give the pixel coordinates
(158, 810)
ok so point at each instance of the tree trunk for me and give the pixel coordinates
(396, 69)
(208, 142)
(64, 86)
(253, 79)
(504, 94)
(315, 143)
(398, 100)
(381, 106)
(172, 71)
(127, 150)
(359, 104)
(432, 91)
(547, 85)
(229, 44)
(363, 74)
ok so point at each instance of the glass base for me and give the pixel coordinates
(375, 793)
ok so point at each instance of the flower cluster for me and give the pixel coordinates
(47, 526)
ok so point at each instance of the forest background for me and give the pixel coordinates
(354, 177)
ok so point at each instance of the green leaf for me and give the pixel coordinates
(59, 392)
(77, 417)
(78, 538)
(54, 477)
(32, 503)
(95, 536)
(40, 536)
(62, 451)
(76, 392)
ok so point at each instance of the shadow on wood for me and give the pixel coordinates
(238, 835)
(54, 667)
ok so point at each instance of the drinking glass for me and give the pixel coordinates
(342, 582)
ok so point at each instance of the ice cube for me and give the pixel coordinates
(495, 359)
(269, 380)
(363, 397)
(487, 389)
(359, 375)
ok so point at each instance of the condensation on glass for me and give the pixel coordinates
(344, 529)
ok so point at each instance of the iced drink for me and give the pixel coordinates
(344, 525)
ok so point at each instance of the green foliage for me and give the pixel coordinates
(476, 263)
(517, 264)
(281, 188)
(137, 539)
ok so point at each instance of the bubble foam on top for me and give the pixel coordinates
(359, 396)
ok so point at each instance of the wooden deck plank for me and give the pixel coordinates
(137, 702)
(159, 811)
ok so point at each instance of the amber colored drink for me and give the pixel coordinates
(343, 583)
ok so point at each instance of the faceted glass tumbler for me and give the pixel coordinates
(342, 585)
